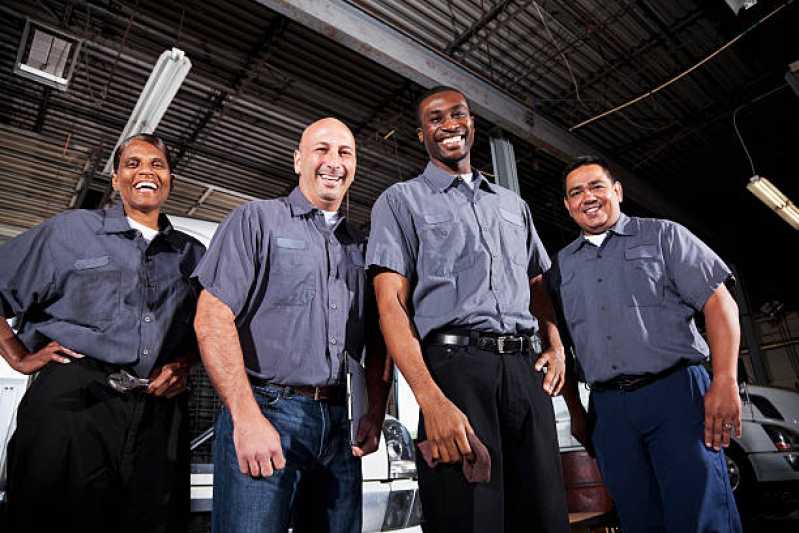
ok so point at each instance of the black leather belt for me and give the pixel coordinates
(491, 342)
(629, 383)
(326, 393)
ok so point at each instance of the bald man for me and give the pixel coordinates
(284, 303)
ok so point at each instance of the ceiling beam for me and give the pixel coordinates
(376, 40)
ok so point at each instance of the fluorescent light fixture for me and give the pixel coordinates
(774, 199)
(162, 86)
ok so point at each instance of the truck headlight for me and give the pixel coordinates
(784, 440)
(399, 445)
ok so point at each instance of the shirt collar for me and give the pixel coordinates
(116, 222)
(623, 226)
(300, 205)
(441, 181)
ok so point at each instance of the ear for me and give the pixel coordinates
(297, 162)
(420, 135)
(619, 191)
(115, 181)
(566, 204)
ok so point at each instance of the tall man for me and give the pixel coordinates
(629, 289)
(285, 302)
(457, 259)
(104, 301)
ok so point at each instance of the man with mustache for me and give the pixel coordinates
(104, 301)
(457, 261)
(629, 289)
(285, 304)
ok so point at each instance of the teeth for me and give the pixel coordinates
(452, 141)
(146, 185)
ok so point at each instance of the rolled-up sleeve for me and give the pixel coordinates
(695, 269)
(228, 268)
(538, 258)
(392, 242)
(27, 271)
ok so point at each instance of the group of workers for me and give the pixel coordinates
(453, 285)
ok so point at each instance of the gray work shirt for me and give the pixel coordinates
(88, 281)
(629, 304)
(469, 252)
(296, 287)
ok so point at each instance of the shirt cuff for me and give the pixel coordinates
(391, 261)
(219, 293)
(700, 298)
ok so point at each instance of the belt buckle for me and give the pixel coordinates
(316, 393)
(509, 344)
(123, 381)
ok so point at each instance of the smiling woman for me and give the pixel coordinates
(142, 177)
(108, 306)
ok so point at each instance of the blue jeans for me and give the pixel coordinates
(315, 439)
(651, 451)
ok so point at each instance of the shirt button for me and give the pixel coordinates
(602, 308)
(145, 352)
(599, 280)
(609, 337)
(332, 340)
(333, 306)
(614, 367)
(148, 318)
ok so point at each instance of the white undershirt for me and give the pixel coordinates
(331, 217)
(467, 179)
(596, 240)
(147, 233)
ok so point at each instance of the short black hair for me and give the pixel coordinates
(582, 161)
(149, 138)
(430, 92)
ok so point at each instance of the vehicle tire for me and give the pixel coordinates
(742, 480)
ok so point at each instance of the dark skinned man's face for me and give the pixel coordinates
(447, 131)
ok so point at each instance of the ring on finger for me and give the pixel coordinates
(727, 426)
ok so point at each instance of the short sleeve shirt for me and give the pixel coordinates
(629, 303)
(296, 287)
(88, 281)
(469, 251)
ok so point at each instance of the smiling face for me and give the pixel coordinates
(592, 198)
(447, 131)
(325, 162)
(143, 178)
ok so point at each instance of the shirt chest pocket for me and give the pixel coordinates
(643, 274)
(92, 289)
(572, 300)
(443, 245)
(291, 278)
(513, 236)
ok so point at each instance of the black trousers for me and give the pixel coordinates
(87, 458)
(505, 402)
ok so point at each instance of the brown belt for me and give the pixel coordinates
(325, 393)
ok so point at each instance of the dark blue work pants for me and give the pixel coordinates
(650, 449)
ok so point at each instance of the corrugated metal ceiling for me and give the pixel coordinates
(258, 79)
